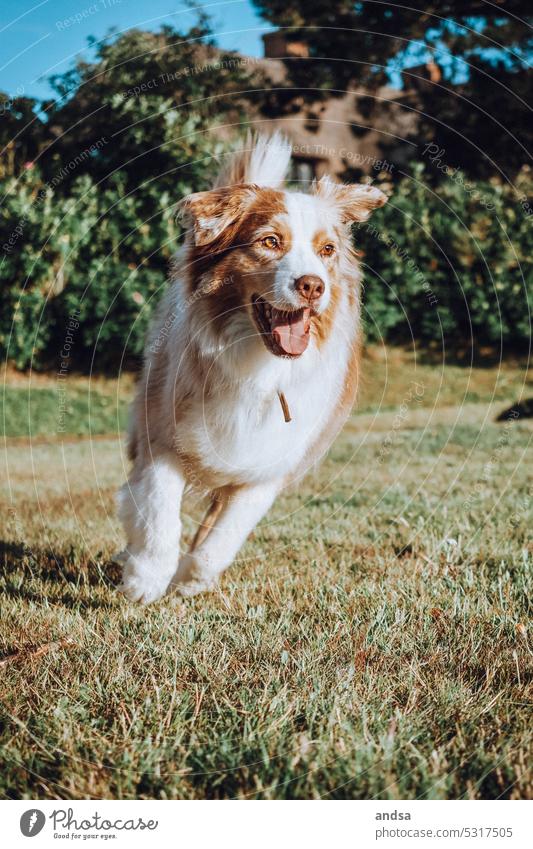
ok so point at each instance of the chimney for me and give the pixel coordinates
(279, 45)
(422, 77)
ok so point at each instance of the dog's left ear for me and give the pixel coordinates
(211, 213)
(356, 202)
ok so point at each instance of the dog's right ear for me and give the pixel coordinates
(354, 202)
(211, 214)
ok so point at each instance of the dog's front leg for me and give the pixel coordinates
(149, 508)
(242, 509)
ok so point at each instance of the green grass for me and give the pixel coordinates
(372, 642)
(60, 408)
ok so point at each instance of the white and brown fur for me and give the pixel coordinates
(207, 413)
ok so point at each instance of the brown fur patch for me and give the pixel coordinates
(213, 212)
(323, 324)
(268, 204)
(321, 238)
(211, 264)
(222, 304)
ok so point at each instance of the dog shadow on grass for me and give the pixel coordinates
(520, 410)
(41, 574)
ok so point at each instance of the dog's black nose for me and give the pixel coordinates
(309, 287)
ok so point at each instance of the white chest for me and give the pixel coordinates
(239, 433)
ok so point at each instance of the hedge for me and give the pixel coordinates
(450, 264)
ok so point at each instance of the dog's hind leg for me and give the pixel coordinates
(240, 510)
(149, 508)
(209, 520)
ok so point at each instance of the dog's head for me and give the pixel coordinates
(279, 255)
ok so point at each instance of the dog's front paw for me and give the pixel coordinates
(192, 577)
(192, 588)
(142, 579)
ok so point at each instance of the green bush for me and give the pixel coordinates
(450, 263)
(99, 255)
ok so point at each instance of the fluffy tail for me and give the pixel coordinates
(263, 160)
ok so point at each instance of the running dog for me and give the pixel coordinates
(251, 366)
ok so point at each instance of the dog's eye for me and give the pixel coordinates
(328, 250)
(270, 242)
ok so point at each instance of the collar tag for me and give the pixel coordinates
(284, 407)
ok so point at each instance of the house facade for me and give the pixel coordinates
(349, 135)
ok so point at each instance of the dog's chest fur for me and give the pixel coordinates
(240, 432)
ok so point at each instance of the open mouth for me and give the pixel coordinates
(284, 332)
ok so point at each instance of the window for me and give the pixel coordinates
(303, 171)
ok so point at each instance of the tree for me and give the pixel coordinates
(21, 133)
(144, 100)
(477, 54)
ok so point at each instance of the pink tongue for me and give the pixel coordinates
(291, 330)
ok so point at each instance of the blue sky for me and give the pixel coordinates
(37, 39)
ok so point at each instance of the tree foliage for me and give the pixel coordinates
(450, 268)
(476, 104)
(132, 101)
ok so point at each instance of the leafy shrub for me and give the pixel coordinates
(88, 225)
(450, 264)
(99, 254)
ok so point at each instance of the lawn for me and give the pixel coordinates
(373, 641)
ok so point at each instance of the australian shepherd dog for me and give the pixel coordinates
(251, 365)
